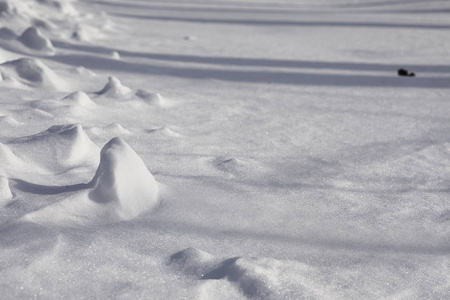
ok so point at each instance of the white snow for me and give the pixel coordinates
(224, 149)
(32, 72)
(33, 38)
(5, 191)
(114, 88)
(123, 179)
(81, 99)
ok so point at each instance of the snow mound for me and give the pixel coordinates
(239, 167)
(230, 165)
(151, 98)
(5, 191)
(123, 179)
(81, 99)
(7, 34)
(9, 120)
(32, 71)
(69, 111)
(193, 262)
(259, 278)
(58, 148)
(33, 39)
(115, 55)
(121, 189)
(84, 33)
(163, 132)
(6, 8)
(114, 88)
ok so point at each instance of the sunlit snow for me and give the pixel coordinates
(224, 149)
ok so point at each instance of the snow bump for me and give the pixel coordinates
(32, 71)
(60, 146)
(123, 179)
(151, 98)
(81, 99)
(114, 88)
(33, 39)
(192, 261)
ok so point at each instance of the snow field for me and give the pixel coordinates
(285, 160)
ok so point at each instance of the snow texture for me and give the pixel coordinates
(123, 179)
(250, 150)
(114, 88)
(32, 72)
(33, 38)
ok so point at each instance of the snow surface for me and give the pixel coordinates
(224, 149)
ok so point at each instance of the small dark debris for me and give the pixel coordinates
(403, 72)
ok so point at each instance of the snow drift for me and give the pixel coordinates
(33, 38)
(114, 88)
(59, 148)
(32, 72)
(121, 189)
(123, 179)
(81, 99)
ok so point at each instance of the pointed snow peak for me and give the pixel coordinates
(114, 88)
(123, 179)
(60, 146)
(34, 72)
(33, 38)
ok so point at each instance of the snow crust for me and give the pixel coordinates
(224, 149)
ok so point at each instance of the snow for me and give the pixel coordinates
(224, 149)
(32, 72)
(114, 88)
(33, 38)
(123, 178)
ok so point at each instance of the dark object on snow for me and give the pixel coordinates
(403, 72)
